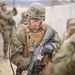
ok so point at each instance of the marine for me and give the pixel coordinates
(6, 25)
(26, 35)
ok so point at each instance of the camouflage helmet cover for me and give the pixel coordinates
(37, 10)
(71, 26)
(2, 2)
(71, 23)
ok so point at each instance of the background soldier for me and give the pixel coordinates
(24, 37)
(64, 62)
(6, 23)
(69, 30)
(24, 18)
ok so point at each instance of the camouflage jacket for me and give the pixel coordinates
(18, 43)
(5, 18)
(64, 62)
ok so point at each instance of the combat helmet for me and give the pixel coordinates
(37, 10)
(71, 23)
(71, 26)
(2, 2)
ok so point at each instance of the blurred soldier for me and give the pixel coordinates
(24, 37)
(6, 23)
(24, 18)
(64, 62)
(69, 30)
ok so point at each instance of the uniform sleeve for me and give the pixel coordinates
(17, 43)
(7, 15)
(16, 51)
(4, 17)
(63, 63)
(56, 42)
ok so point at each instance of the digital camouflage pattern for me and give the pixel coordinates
(70, 29)
(64, 62)
(19, 47)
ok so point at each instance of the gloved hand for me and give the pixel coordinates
(47, 50)
(14, 11)
(37, 62)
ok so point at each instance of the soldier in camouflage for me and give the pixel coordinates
(6, 23)
(24, 37)
(64, 62)
(70, 29)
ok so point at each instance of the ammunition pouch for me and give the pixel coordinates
(47, 50)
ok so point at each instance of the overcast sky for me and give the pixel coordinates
(27, 2)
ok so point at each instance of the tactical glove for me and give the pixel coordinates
(37, 62)
(36, 65)
(47, 50)
(14, 11)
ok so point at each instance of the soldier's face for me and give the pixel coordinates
(4, 7)
(35, 23)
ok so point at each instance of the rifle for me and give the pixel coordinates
(37, 49)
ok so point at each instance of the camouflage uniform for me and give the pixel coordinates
(23, 38)
(69, 30)
(64, 62)
(6, 27)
